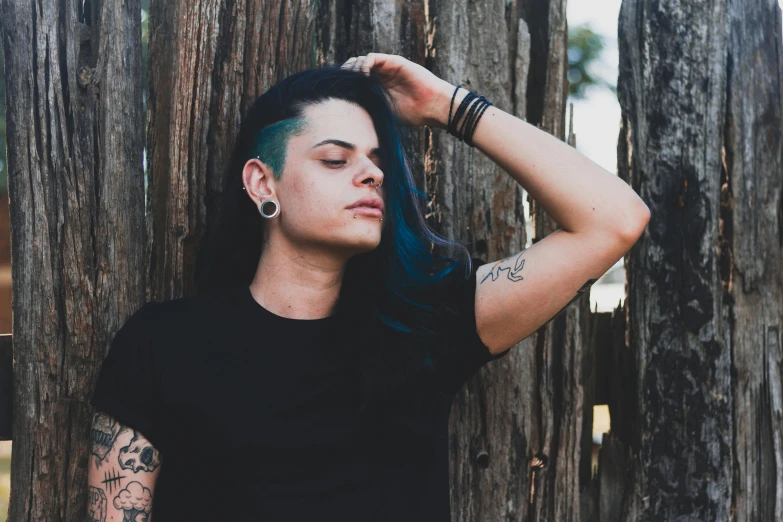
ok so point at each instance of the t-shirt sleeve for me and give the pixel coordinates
(468, 353)
(127, 386)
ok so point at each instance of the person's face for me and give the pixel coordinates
(328, 167)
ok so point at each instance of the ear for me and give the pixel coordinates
(259, 180)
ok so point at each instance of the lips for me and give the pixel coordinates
(367, 211)
(368, 203)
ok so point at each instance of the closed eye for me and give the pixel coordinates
(332, 162)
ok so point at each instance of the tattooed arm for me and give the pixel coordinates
(123, 470)
(519, 294)
(600, 215)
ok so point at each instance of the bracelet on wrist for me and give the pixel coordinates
(475, 107)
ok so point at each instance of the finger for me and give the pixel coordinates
(368, 64)
(357, 65)
(363, 65)
(372, 61)
(349, 63)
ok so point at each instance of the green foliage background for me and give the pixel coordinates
(584, 48)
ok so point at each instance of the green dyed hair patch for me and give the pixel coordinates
(272, 142)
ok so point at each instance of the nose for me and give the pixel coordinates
(373, 175)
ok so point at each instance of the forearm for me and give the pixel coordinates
(578, 194)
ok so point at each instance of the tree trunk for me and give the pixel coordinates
(700, 90)
(752, 256)
(492, 427)
(76, 190)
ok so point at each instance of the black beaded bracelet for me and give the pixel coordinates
(472, 128)
(475, 111)
(470, 117)
(452, 126)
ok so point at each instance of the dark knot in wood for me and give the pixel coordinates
(483, 460)
(85, 75)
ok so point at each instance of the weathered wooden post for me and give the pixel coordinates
(76, 189)
(700, 89)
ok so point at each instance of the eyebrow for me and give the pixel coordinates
(344, 144)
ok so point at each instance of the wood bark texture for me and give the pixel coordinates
(700, 91)
(752, 255)
(76, 190)
(6, 386)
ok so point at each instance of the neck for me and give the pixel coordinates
(296, 284)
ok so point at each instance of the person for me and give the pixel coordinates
(311, 377)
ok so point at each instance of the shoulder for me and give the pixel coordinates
(173, 317)
(184, 308)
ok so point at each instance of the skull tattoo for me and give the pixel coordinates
(139, 455)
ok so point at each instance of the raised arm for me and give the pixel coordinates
(600, 215)
(123, 470)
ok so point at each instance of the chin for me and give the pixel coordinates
(366, 244)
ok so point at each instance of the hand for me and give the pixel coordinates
(416, 91)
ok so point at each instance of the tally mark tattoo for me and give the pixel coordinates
(112, 479)
(96, 505)
(513, 272)
(135, 501)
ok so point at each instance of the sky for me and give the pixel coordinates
(597, 116)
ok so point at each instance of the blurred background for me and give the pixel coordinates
(593, 58)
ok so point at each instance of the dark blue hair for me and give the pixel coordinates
(401, 278)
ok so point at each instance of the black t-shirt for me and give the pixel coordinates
(255, 415)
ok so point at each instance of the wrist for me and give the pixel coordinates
(439, 109)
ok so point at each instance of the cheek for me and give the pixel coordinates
(316, 204)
